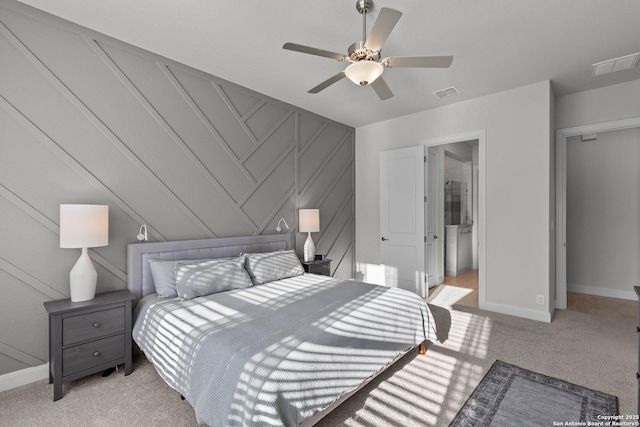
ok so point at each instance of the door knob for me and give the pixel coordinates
(384, 239)
(435, 237)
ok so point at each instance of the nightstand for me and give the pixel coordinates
(322, 267)
(89, 336)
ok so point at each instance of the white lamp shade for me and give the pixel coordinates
(364, 72)
(309, 220)
(84, 226)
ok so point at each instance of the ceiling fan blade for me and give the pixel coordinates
(387, 19)
(381, 88)
(314, 51)
(418, 62)
(325, 84)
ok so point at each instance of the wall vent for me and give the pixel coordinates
(443, 93)
(617, 64)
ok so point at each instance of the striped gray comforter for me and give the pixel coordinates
(276, 354)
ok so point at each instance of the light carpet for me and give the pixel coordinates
(594, 351)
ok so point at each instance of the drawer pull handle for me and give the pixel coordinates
(96, 324)
(96, 353)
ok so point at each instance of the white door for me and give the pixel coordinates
(402, 237)
(431, 211)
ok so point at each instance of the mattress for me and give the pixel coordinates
(278, 353)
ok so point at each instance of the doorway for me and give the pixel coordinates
(456, 195)
(563, 137)
(466, 152)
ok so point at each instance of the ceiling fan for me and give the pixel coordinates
(366, 66)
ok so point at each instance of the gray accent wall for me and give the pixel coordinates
(85, 118)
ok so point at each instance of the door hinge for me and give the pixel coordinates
(425, 199)
(425, 159)
(425, 239)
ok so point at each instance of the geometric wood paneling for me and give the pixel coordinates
(88, 119)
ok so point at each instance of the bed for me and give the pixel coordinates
(278, 352)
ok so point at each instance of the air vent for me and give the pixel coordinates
(443, 93)
(617, 64)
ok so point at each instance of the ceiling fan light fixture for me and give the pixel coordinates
(364, 72)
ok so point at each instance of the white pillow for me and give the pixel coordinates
(210, 277)
(269, 266)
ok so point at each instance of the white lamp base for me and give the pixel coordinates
(309, 249)
(83, 278)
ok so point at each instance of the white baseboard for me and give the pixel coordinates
(602, 292)
(541, 316)
(24, 377)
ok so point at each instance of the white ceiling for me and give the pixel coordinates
(496, 44)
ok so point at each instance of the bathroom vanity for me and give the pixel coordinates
(458, 249)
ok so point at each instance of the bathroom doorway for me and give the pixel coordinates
(459, 219)
(460, 258)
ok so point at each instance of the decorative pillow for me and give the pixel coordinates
(269, 266)
(210, 277)
(164, 277)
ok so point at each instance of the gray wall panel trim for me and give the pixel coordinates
(334, 183)
(320, 169)
(266, 175)
(30, 281)
(246, 116)
(266, 137)
(271, 218)
(205, 120)
(166, 127)
(75, 165)
(20, 356)
(346, 204)
(340, 235)
(93, 119)
(335, 264)
(313, 138)
(55, 229)
(242, 119)
(237, 115)
(28, 209)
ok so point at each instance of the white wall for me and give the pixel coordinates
(518, 126)
(606, 104)
(603, 213)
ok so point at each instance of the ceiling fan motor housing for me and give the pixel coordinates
(357, 52)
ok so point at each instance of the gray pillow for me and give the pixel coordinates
(164, 275)
(210, 277)
(269, 266)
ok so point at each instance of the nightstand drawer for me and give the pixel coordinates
(92, 325)
(94, 353)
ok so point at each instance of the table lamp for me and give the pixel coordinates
(83, 226)
(309, 222)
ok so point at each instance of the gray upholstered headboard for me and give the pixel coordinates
(139, 280)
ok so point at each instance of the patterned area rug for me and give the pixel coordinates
(511, 396)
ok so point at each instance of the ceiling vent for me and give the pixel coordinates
(443, 93)
(617, 64)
